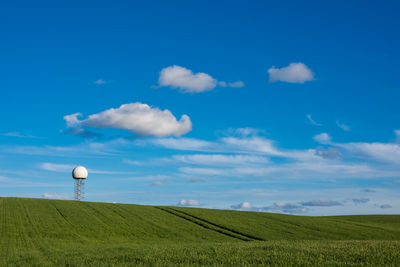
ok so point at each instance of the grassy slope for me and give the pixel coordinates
(54, 232)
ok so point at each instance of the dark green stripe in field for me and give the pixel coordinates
(38, 232)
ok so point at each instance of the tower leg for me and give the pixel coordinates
(79, 189)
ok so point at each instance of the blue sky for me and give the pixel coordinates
(274, 106)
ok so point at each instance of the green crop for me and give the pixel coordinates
(38, 232)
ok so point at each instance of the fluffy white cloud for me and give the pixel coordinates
(72, 119)
(385, 206)
(322, 138)
(188, 82)
(189, 202)
(137, 118)
(294, 73)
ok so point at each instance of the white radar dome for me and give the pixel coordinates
(79, 172)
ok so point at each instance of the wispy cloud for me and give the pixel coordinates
(312, 121)
(321, 203)
(237, 84)
(342, 126)
(279, 207)
(220, 159)
(83, 150)
(159, 184)
(99, 82)
(256, 156)
(55, 196)
(385, 152)
(19, 135)
(328, 153)
(55, 167)
(358, 201)
(397, 132)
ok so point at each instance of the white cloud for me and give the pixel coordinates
(222, 84)
(246, 157)
(189, 202)
(281, 207)
(242, 206)
(159, 184)
(312, 121)
(252, 144)
(342, 126)
(189, 144)
(137, 118)
(285, 208)
(322, 138)
(294, 73)
(47, 166)
(321, 203)
(221, 159)
(237, 84)
(57, 167)
(397, 132)
(100, 82)
(86, 149)
(358, 201)
(387, 152)
(20, 135)
(203, 171)
(244, 144)
(188, 82)
(54, 196)
(72, 119)
(244, 132)
(385, 206)
(328, 153)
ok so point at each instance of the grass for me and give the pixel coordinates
(38, 232)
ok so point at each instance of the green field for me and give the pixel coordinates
(39, 232)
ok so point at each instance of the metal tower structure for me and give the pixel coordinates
(79, 174)
(79, 189)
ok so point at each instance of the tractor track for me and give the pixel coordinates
(210, 225)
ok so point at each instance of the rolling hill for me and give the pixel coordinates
(58, 232)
